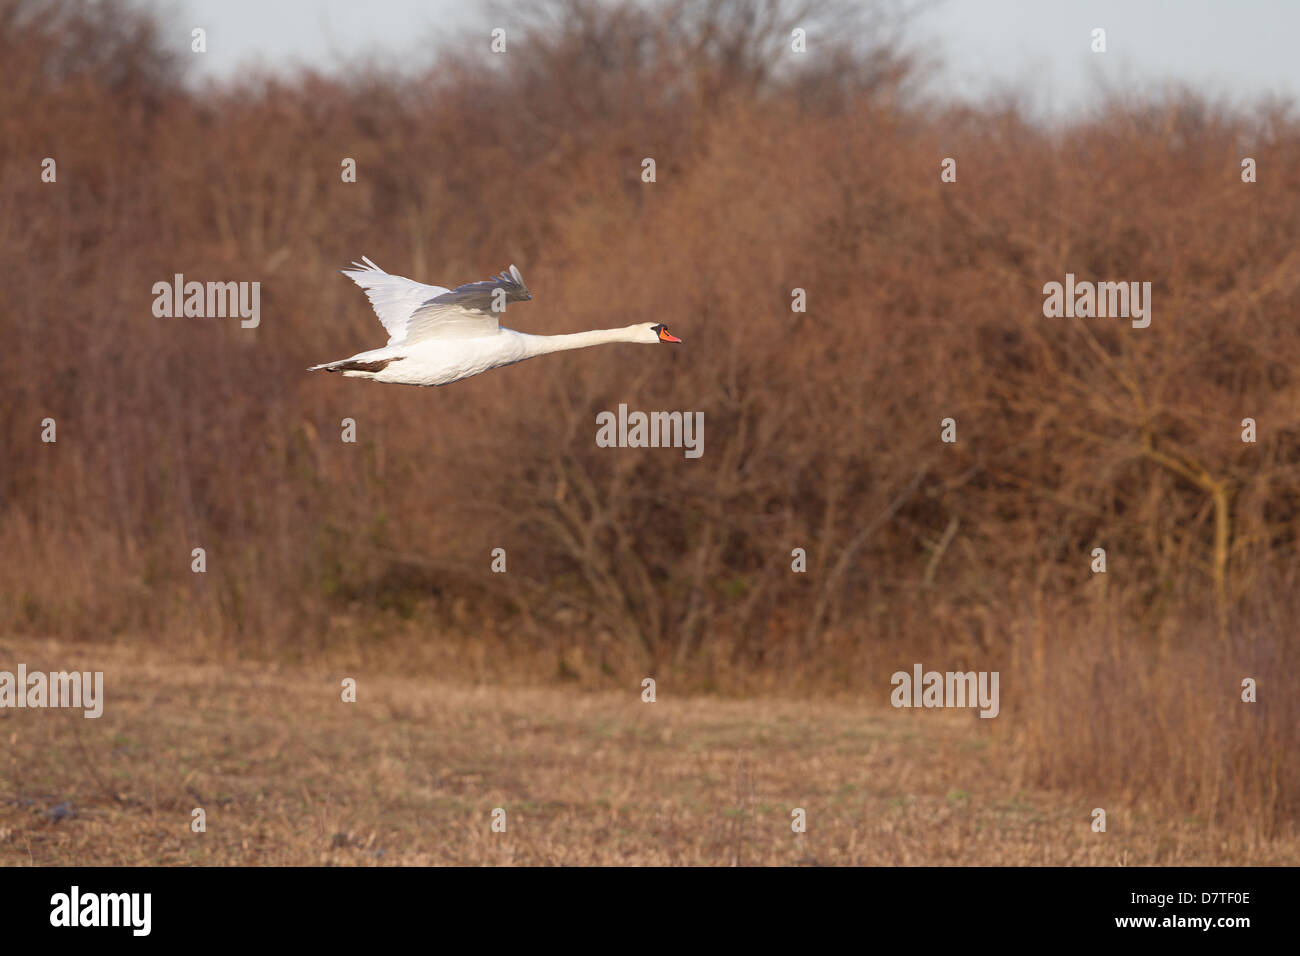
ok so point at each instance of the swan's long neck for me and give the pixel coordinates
(545, 344)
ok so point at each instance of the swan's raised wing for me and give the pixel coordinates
(467, 311)
(394, 298)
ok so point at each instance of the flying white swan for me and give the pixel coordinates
(437, 336)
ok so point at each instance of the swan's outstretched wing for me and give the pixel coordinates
(467, 311)
(411, 311)
(394, 298)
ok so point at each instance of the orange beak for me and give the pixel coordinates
(666, 336)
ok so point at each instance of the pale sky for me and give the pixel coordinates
(1239, 49)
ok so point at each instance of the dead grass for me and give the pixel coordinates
(290, 775)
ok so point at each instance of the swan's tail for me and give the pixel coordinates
(354, 365)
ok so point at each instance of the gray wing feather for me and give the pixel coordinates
(468, 310)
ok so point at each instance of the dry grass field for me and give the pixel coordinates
(288, 774)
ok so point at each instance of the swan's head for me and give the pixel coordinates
(655, 332)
